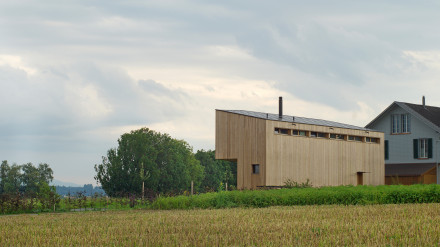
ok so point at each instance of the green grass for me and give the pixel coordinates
(342, 195)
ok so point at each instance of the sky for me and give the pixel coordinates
(76, 75)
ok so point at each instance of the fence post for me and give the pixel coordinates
(226, 186)
(143, 190)
(192, 187)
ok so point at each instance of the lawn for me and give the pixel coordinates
(391, 224)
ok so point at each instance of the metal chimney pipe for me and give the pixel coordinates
(280, 107)
(423, 101)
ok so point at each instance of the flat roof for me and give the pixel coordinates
(295, 119)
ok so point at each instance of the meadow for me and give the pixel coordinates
(324, 225)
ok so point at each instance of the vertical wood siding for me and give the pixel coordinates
(324, 161)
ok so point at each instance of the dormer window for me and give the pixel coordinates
(400, 123)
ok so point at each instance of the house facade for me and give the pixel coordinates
(412, 135)
(271, 148)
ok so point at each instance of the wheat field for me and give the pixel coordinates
(371, 225)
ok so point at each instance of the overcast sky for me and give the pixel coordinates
(75, 75)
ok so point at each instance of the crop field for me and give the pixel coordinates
(392, 224)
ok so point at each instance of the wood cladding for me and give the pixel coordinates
(324, 161)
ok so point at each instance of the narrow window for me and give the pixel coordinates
(313, 134)
(302, 133)
(256, 169)
(295, 132)
(423, 148)
(400, 123)
(395, 124)
(404, 123)
(284, 131)
(387, 154)
(277, 130)
(321, 135)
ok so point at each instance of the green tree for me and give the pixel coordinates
(13, 179)
(216, 171)
(33, 177)
(30, 179)
(167, 162)
(4, 170)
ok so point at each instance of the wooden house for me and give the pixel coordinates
(412, 136)
(272, 148)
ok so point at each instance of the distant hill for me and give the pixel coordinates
(57, 182)
(87, 190)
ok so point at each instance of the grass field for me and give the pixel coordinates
(395, 225)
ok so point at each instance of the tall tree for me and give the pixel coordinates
(4, 170)
(169, 163)
(13, 179)
(216, 171)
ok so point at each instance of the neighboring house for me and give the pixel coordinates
(411, 142)
(271, 148)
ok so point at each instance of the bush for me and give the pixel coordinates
(303, 195)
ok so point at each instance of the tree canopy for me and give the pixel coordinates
(217, 172)
(24, 178)
(164, 164)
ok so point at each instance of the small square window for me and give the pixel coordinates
(256, 169)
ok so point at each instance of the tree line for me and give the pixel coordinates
(161, 164)
(27, 178)
(25, 188)
(87, 190)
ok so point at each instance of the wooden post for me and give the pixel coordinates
(143, 190)
(226, 186)
(192, 187)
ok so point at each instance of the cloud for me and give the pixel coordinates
(76, 75)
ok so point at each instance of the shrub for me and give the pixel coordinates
(303, 195)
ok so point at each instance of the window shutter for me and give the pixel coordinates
(416, 148)
(430, 148)
(387, 156)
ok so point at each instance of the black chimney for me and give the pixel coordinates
(280, 108)
(423, 101)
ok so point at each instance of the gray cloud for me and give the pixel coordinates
(85, 54)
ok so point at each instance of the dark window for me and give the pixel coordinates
(400, 123)
(371, 139)
(337, 136)
(355, 138)
(313, 134)
(256, 169)
(387, 154)
(321, 135)
(298, 133)
(422, 148)
(281, 131)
